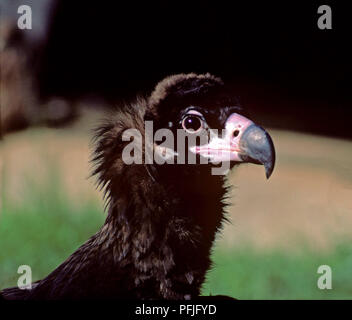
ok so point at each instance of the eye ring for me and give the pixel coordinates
(192, 123)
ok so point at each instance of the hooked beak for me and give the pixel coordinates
(243, 141)
(257, 147)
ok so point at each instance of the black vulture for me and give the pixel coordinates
(162, 217)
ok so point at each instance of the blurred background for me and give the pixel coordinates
(80, 60)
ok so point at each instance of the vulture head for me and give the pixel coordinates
(207, 125)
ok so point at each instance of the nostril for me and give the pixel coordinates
(236, 133)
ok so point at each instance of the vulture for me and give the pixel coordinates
(163, 210)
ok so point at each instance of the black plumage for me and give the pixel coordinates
(162, 219)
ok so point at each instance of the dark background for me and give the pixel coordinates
(287, 71)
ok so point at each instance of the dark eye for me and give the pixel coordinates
(192, 124)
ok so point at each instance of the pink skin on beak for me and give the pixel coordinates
(226, 148)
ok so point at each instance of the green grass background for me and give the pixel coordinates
(45, 229)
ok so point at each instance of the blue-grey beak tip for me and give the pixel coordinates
(257, 147)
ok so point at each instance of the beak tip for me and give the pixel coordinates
(259, 148)
(269, 165)
(268, 173)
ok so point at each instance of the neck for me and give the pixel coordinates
(164, 231)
